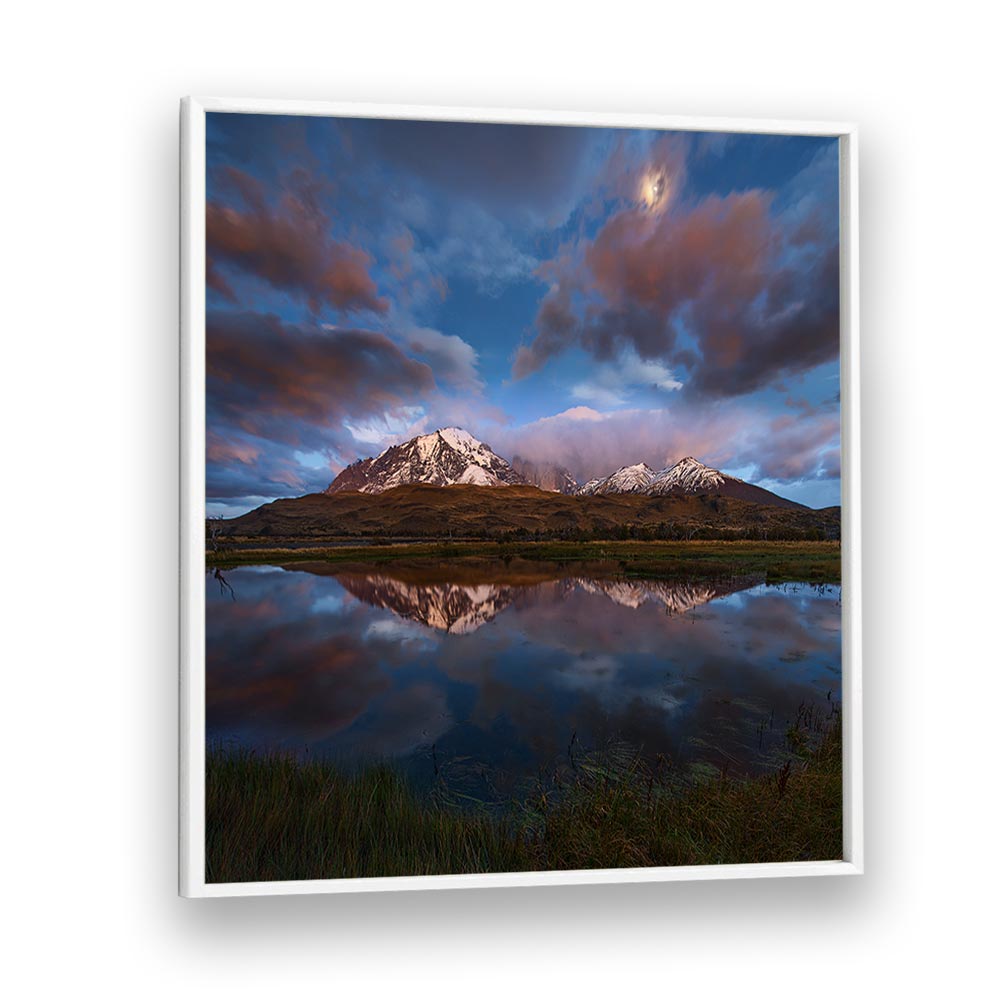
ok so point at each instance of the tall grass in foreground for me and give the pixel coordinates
(271, 817)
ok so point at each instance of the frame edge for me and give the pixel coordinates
(191, 852)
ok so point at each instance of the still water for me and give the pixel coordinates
(497, 675)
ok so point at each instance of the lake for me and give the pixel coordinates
(490, 674)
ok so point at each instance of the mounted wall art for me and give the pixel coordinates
(520, 498)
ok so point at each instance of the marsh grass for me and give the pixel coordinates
(272, 817)
(809, 561)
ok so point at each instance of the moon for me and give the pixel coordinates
(654, 189)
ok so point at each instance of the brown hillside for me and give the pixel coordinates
(422, 511)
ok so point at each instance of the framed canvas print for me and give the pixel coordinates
(520, 524)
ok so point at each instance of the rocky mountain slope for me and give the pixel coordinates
(452, 456)
(690, 477)
(545, 475)
(628, 479)
(446, 457)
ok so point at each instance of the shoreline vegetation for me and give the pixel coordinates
(774, 561)
(273, 817)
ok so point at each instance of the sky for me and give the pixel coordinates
(587, 297)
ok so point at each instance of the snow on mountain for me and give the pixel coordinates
(628, 479)
(687, 476)
(690, 477)
(443, 458)
(452, 456)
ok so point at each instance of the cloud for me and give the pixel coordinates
(288, 244)
(730, 436)
(531, 170)
(218, 449)
(290, 404)
(613, 383)
(452, 359)
(645, 169)
(274, 387)
(215, 280)
(418, 284)
(273, 473)
(797, 447)
(735, 290)
(262, 371)
(477, 246)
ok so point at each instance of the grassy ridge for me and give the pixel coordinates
(271, 817)
(520, 513)
(812, 562)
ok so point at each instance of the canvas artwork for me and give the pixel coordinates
(522, 498)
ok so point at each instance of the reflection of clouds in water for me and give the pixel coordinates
(400, 630)
(737, 601)
(600, 676)
(300, 661)
(401, 721)
(327, 604)
(280, 688)
(590, 671)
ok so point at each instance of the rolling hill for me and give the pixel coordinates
(470, 511)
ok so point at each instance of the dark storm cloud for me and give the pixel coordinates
(608, 331)
(755, 289)
(298, 383)
(796, 328)
(525, 167)
(287, 244)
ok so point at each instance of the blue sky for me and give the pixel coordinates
(587, 297)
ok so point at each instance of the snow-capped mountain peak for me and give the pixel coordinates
(461, 440)
(628, 479)
(688, 476)
(452, 456)
(442, 458)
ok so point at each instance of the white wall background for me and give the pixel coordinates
(89, 414)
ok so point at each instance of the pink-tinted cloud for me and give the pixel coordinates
(755, 292)
(730, 436)
(287, 244)
(219, 449)
(300, 383)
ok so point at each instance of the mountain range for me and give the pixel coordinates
(451, 456)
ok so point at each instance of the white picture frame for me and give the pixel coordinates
(192, 499)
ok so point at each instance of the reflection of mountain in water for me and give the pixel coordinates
(463, 608)
(675, 597)
(455, 608)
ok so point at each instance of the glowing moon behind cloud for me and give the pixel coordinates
(655, 190)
